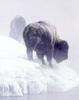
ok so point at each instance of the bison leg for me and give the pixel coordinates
(41, 57)
(49, 59)
(30, 54)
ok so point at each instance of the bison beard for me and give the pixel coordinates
(37, 37)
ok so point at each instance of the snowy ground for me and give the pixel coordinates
(19, 77)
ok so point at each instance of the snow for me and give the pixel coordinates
(19, 76)
(9, 47)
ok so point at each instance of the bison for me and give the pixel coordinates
(43, 38)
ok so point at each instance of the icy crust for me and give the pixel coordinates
(22, 77)
(19, 77)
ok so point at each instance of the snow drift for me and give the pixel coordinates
(19, 76)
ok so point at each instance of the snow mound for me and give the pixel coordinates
(19, 76)
(9, 47)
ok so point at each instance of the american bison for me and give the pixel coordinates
(43, 38)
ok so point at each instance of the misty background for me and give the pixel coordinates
(63, 14)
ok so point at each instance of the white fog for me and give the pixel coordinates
(64, 14)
